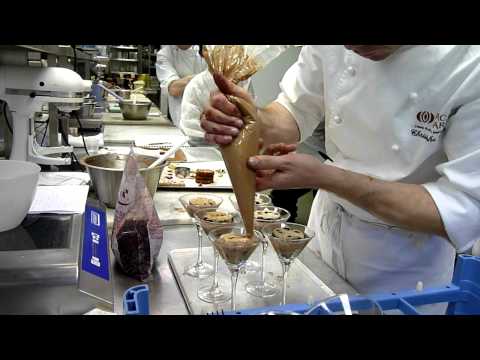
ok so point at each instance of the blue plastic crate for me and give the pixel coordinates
(136, 301)
(462, 296)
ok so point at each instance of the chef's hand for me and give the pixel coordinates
(286, 170)
(279, 149)
(222, 120)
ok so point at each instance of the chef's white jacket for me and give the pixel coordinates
(172, 64)
(413, 118)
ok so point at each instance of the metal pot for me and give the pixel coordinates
(135, 110)
(106, 172)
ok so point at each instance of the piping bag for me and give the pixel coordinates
(238, 63)
(236, 155)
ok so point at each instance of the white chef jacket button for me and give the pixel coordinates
(351, 70)
(395, 147)
(413, 96)
(337, 120)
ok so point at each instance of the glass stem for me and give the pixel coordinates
(286, 267)
(234, 288)
(215, 268)
(264, 253)
(200, 238)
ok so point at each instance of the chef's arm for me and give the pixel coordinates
(177, 87)
(278, 125)
(167, 73)
(406, 205)
(222, 120)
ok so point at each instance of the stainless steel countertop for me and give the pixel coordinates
(167, 201)
(165, 296)
(117, 119)
(125, 133)
(121, 134)
(179, 233)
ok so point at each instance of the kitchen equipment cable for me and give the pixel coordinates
(81, 133)
(45, 131)
(6, 118)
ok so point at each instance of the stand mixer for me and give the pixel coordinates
(26, 90)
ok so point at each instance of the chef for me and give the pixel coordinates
(402, 193)
(176, 65)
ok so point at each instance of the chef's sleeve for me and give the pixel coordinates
(302, 91)
(195, 97)
(166, 72)
(457, 192)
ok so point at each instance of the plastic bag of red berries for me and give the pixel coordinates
(137, 233)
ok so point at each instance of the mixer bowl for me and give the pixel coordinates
(18, 183)
(137, 110)
(87, 109)
(106, 171)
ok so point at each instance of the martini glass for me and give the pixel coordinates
(235, 247)
(260, 200)
(288, 240)
(266, 215)
(214, 293)
(192, 204)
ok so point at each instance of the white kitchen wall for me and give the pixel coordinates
(266, 82)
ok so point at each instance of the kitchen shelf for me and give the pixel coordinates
(124, 72)
(57, 50)
(124, 47)
(126, 60)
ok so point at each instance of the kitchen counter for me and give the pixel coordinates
(165, 297)
(117, 119)
(155, 116)
(122, 135)
(122, 132)
(179, 233)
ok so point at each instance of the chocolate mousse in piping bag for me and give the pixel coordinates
(236, 156)
(238, 63)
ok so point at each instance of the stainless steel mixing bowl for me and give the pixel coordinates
(106, 171)
(135, 110)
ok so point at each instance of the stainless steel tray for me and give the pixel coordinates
(303, 284)
(202, 153)
(221, 183)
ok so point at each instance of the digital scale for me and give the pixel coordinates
(39, 266)
(56, 264)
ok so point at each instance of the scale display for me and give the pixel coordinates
(95, 243)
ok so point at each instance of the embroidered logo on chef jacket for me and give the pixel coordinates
(429, 125)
